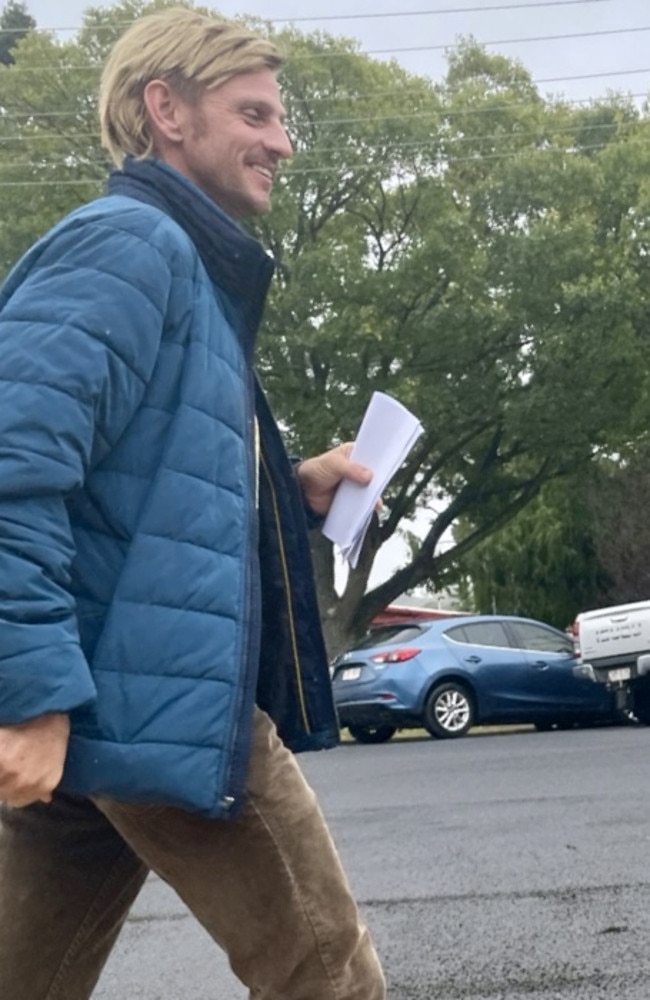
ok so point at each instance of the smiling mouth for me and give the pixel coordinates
(265, 172)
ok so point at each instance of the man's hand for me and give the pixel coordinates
(32, 755)
(321, 475)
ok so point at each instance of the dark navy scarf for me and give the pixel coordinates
(236, 262)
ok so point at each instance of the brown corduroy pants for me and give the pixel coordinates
(268, 887)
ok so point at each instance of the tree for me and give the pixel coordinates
(471, 248)
(544, 563)
(15, 23)
(583, 543)
(466, 279)
(621, 531)
(51, 159)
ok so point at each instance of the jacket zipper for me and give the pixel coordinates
(289, 595)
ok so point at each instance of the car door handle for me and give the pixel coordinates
(472, 659)
(540, 665)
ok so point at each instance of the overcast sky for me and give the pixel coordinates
(610, 37)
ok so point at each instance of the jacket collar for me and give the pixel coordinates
(235, 261)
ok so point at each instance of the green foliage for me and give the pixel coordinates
(51, 159)
(492, 274)
(583, 543)
(472, 248)
(15, 23)
(618, 502)
(338, 229)
(543, 564)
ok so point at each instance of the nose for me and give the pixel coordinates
(279, 142)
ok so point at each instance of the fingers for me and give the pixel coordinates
(21, 801)
(18, 793)
(18, 799)
(358, 473)
(320, 476)
(27, 777)
(349, 469)
(32, 758)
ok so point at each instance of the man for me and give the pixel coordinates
(158, 623)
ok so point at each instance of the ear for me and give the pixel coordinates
(164, 110)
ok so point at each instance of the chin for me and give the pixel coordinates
(259, 206)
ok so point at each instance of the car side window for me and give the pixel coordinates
(539, 639)
(480, 634)
(457, 633)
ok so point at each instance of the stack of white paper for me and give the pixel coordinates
(387, 433)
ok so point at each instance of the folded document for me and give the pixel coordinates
(387, 433)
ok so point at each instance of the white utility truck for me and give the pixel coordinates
(614, 648)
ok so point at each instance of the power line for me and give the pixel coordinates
(318, 101)
(480, 158)
(432, 114)
(443, 10)
(515, 41)
(98, 158)
(303, 171)
(368, 17)
(95, 67)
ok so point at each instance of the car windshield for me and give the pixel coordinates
(394, 633)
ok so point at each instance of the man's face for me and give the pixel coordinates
(232, 142)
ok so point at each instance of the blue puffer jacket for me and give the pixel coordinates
(154, 570)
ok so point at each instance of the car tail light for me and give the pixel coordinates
(396, 655)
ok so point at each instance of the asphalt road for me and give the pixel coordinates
(497, 866)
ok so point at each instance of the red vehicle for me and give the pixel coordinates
(408, 613)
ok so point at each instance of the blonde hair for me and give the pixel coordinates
(190, 51)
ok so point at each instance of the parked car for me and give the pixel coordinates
(449, 675)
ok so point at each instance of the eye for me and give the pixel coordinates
(253, 116)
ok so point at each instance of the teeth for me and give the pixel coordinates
(265, 172)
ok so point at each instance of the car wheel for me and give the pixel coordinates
(372, 734)
(449, 711)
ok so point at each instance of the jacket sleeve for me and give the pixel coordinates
(81, 319)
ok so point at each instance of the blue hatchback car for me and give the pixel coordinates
(450, 674)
